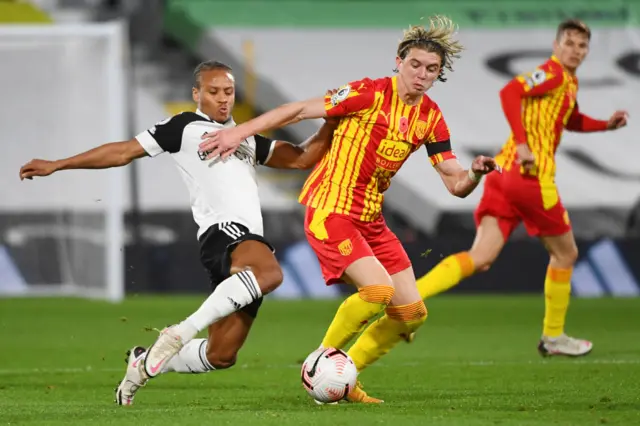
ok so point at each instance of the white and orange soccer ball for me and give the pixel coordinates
(328, 375)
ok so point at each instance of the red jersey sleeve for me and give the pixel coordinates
(351, 98)
(536, 83)
(540, 81)
(438, 142)
(579, 122)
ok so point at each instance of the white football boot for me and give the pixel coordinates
(564, 345)
(134, 378)
(161, 352)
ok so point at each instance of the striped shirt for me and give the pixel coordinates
(376, 134)
(548, 102)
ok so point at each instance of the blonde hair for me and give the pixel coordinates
(437, 38)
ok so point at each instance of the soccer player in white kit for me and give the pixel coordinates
(226, 207)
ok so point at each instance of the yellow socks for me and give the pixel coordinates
(557, 289)
(446, 274)
(381, 336)
(354, 314)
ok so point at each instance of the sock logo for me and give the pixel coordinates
(234, 303)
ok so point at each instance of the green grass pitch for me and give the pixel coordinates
(473, 363)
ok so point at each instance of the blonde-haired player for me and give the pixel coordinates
(382, 122)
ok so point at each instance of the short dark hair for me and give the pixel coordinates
(573, 24)
(208, 66)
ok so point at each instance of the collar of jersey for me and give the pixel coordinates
(229, 123)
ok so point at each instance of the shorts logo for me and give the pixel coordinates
(345, 247)
(565, 217)
(421, 129)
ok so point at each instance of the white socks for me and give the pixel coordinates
(230, 295)
(192, 358)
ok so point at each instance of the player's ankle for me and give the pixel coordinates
(186, 330)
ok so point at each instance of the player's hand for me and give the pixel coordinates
(482, 165)
(618, 120)
(525, 157)
(37, 168)
(223, 143)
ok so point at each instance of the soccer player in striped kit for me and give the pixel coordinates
(382, 122)
(538, 107)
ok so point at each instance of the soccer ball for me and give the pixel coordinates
(328, 375)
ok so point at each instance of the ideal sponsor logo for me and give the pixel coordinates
(391, 154)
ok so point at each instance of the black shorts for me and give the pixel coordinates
(216, 246)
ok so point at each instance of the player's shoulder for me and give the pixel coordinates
(552, 66)
(188, 117)
(181, 120)
(362, 86)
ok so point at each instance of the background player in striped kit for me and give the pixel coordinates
(382, 122)
(538, 107)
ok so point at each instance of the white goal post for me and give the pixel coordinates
(63, 91)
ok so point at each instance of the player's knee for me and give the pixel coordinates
(481, 262)
(379, 294)
(566, 258)
(269, 276)
(412, 315)
(221, 361)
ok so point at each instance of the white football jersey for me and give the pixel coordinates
(220, 191)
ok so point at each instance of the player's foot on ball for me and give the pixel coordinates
(564, 345)
(134, 378)
(168, 344)
(359, 395)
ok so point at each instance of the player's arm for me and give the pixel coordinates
(285, 155)
(536, 83)
(579, 122)
(349, 99)
(458, 180)
(164, 136)
(114, 154)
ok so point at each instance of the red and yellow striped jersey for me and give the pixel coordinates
(376, 134)
(538, 106)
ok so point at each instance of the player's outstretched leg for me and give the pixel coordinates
(557, 289)
(452, 270)
(219, 351)
(255, 272)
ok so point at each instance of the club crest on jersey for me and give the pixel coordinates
(421, 129)
(340, 95)
(345, 248)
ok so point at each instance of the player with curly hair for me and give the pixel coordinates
(382, 122)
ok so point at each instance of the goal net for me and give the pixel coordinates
(63, 91)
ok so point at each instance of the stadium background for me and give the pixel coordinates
(62, 65)
(282, 50)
